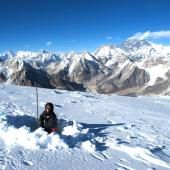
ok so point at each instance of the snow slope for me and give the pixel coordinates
(98, 131)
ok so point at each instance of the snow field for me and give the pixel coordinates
(96, 131)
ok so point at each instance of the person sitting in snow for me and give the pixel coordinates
(48, 119)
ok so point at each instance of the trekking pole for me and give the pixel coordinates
(37, 102)
(3, 85)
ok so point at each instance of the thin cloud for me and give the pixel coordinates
(152, 35)
(109, 38)
(49, 43)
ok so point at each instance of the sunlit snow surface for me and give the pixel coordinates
(96, 131)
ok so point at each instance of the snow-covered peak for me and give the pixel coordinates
(43, 57)
(26, 54)
(108, 50)
(110, 55)
(86, 55)
(161, 50)
(44, 51)
(67, 58)
(73, 60)
(133, 44)
(142, 49)
(76, 57)
(71, 54)
(7, 55)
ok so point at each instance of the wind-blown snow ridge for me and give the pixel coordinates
(138, 153)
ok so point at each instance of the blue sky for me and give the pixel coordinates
(65, 25)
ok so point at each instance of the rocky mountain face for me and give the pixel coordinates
(135, 67)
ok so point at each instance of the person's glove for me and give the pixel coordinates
(54, 130)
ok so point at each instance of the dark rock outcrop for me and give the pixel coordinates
(3, 77)
(30, 76)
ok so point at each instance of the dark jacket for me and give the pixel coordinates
(48, 122)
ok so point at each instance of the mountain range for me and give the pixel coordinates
(135, 67)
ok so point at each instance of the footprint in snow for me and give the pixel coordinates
(29, 163)
(121, 141)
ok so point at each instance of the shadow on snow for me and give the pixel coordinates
(95, 130)
(19, 121)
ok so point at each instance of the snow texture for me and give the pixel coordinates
(96, 131)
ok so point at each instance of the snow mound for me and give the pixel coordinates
(25, 135)
(38, 139)
(72, 130)
(88, 146)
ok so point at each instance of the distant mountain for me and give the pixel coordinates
(132, 44)
(134, 67)
(7, 55)
(110, 55)
(44, 57)
(142, 49)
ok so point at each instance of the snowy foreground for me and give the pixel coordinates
(97, 131)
